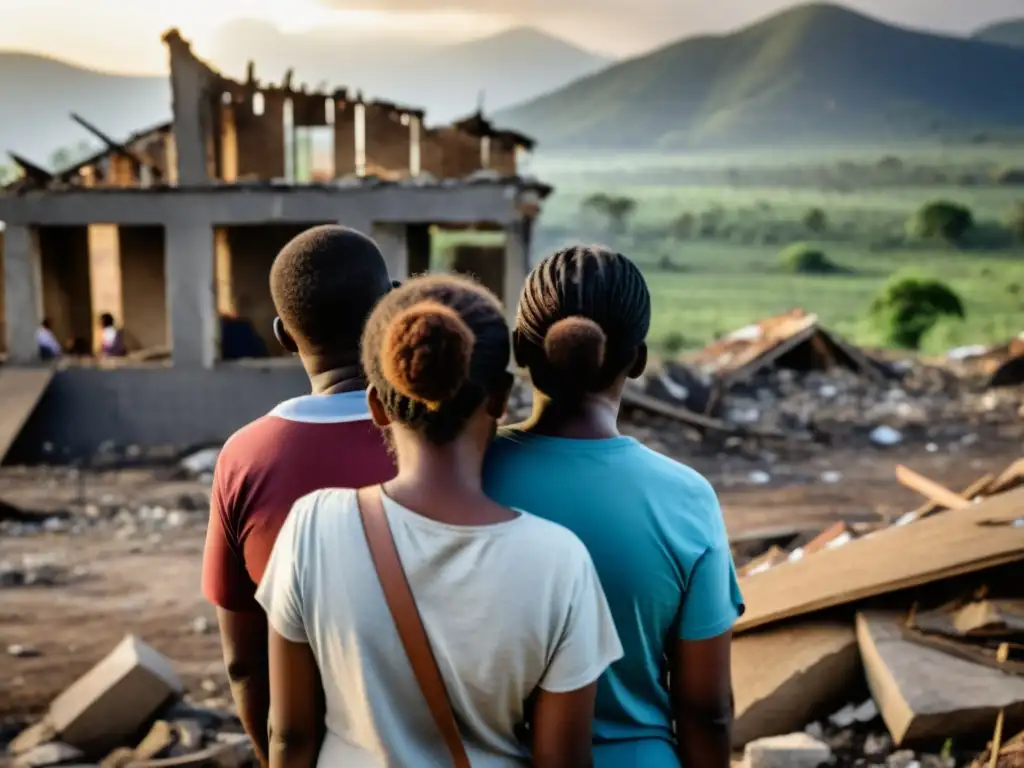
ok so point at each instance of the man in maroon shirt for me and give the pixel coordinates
(324, 284)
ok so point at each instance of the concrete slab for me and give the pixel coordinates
(810, 667)
(20, 391)
(927, 695)
(112, 701)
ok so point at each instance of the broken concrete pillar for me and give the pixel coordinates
(112, 701)
(392, 240)
(811, 668)
(105, 282)
(926, 695)
(344, 138)
(192, 92)
(517, 265)
(23, 293)
(228, 144)
(191, 298)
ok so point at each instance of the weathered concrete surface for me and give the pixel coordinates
(458, 204)
(144, 286)
(191, 296)
(150, 407)
(23, 293)
(393, 240)
(786, 676)
(517, 265)
(66, 284)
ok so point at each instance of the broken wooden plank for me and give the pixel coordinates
(895, 558)
(785, 677)
(633, 399)
(930, 489)
(980, 487)
(926, 695)
(979, 618)
(116, 147)
(774, 556)
(20, 392)
(1009, 479)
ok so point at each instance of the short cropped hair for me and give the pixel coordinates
(324, 283)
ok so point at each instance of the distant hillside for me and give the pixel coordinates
(818, 73)
(1006, 33)
(508, 68)
(37, 93)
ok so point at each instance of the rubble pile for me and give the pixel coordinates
(897, 643)
(789, 376)
(129, 711)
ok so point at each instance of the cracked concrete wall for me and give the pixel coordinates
(64, 261)
(149, 408)
(344, 139)
(448, 153)
(260, 138)
(387, 143)
(143, 281)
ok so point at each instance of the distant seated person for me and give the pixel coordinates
(49, 347)
(112, 337)
(239, 339)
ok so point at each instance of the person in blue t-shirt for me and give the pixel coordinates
(653, 526)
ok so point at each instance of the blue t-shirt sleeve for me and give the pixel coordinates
(712, 601)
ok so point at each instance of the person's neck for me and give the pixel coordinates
(443, 483)
(332, 376)
(595, 417)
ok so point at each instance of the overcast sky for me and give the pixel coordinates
(123, 35)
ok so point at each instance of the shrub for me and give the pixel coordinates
(684, 226)
(942, 220)
(666, 264)
(910, 306)
(673, 343)
(806, 260)
(816, 220)
(615, 210)
(1017, 222)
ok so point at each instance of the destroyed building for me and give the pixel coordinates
(176, 227)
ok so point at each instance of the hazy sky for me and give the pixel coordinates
(123, 35)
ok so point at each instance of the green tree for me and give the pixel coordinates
(909, 306)
(806, 260)
(942, 220)
(816, 220)
(614, 209)
(684, 226)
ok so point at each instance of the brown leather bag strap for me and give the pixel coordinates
(407, 619)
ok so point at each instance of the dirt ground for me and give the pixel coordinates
(134, 579)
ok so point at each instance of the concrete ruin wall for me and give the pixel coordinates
(143, 286)
(260, 138)
(387, 143)
(344, 139)
(64, 257)
(84, 408)
(449, 153)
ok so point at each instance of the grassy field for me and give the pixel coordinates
(707, 285)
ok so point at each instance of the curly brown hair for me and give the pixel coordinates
(434, 349)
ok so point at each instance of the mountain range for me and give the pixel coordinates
(1006, 32)
(448, 81)
(818, 74)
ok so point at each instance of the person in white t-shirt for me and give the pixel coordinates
(511, 603)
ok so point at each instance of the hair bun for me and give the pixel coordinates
(575, 347)
(426, 353)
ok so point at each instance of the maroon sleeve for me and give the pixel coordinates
(226, 582)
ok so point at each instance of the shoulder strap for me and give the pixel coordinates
(407, 620)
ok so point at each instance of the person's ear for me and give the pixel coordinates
(286, 341)
(639, 365)
(517, 349)
(497, 401)
(377, 412)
